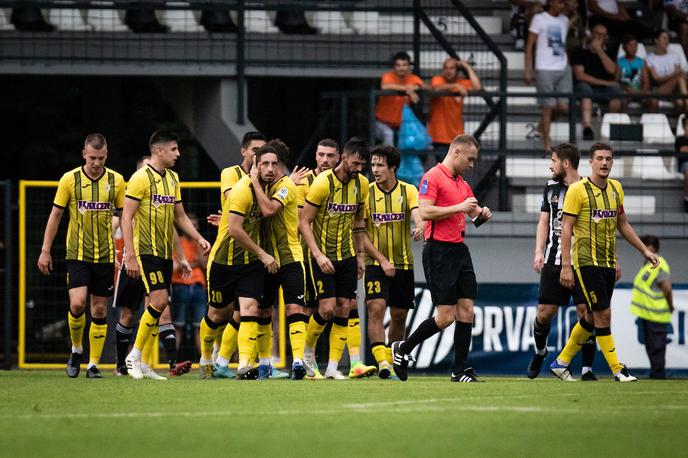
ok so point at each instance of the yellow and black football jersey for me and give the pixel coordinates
(242, 201)
(338, 204)
(91, 207)
(281, 235)
(157, 193)
(229, 177)
(389, 223)
(597, 211)
(302, 189)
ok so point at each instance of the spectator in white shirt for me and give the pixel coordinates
(677, 13)
(546, 47)
(666, 75)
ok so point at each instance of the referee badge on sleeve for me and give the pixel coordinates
(424, 186)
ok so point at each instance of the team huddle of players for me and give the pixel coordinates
(310, 235)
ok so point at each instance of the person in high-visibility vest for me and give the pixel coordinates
(652, 303)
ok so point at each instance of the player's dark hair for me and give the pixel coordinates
(356, 145)
(328, 142)
(162, 136)
(401, 55)
(651, 240)
(390, 153)
(567, 151)
(250, 136)
(265, 149)
(464, 140)
(600, 146)
(96, 141)
(281, 148)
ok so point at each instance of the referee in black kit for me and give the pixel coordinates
(444, 201)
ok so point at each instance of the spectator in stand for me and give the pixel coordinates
(547, 37)
(595, 74)
(677, 13)
(666, 75)
(577, 31)
(446, 112)
(681, 146)
(632, 71)
(522, 12)
(389, 107)
(616, 19)
(188, 292)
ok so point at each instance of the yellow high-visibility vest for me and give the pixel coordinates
(647, 303)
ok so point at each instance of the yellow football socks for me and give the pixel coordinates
(96, 339)
(248, 334)
(76, 330)
(229, 340)
(338, 335)
(297, 335)
(606, 342)
(353, 339)
(147, 326)
(316, 325)
(577, 338)
(207, 332)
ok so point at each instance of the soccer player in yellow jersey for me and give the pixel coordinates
(92, 192)
(153, 197)
(335, 206)
(593, 211)
(226, 341)
(279, 205)
(236, 269)
(389, 280)
(326, 158)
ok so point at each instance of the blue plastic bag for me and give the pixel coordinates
(412, 134)
(411, 169)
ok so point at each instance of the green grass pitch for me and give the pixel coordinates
(44, 413)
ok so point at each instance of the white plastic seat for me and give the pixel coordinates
(613, 118)
(679, 125)
(641, 52)
(331, 22)
(5, 24)
(677, 49)
(180, 20)
(656, 128)
(105, 20)
(258, 21)
(457, 25)
(366, 23)
(68, 19)
(653, 168)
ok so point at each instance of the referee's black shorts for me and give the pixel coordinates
(554, 293)
(449, 272)
(596, 284)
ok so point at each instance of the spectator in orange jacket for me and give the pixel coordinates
(446, 112)
(389, 107)
(188, 294)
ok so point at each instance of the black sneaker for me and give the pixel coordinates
(74, 365)
(121, 371)
(588, 377)
(467, 376)
(401, 361)
(588, 134)
(535, 365)
(93, 372)
(250, 374)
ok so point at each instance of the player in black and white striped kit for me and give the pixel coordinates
(547, 262)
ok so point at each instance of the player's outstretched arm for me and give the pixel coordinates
(127, 223)
(237, 232)
(45, 260)
(305, 219)
(184, 223)
(566, 275)
(180, 257)
(540, 239)
(626, 230)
